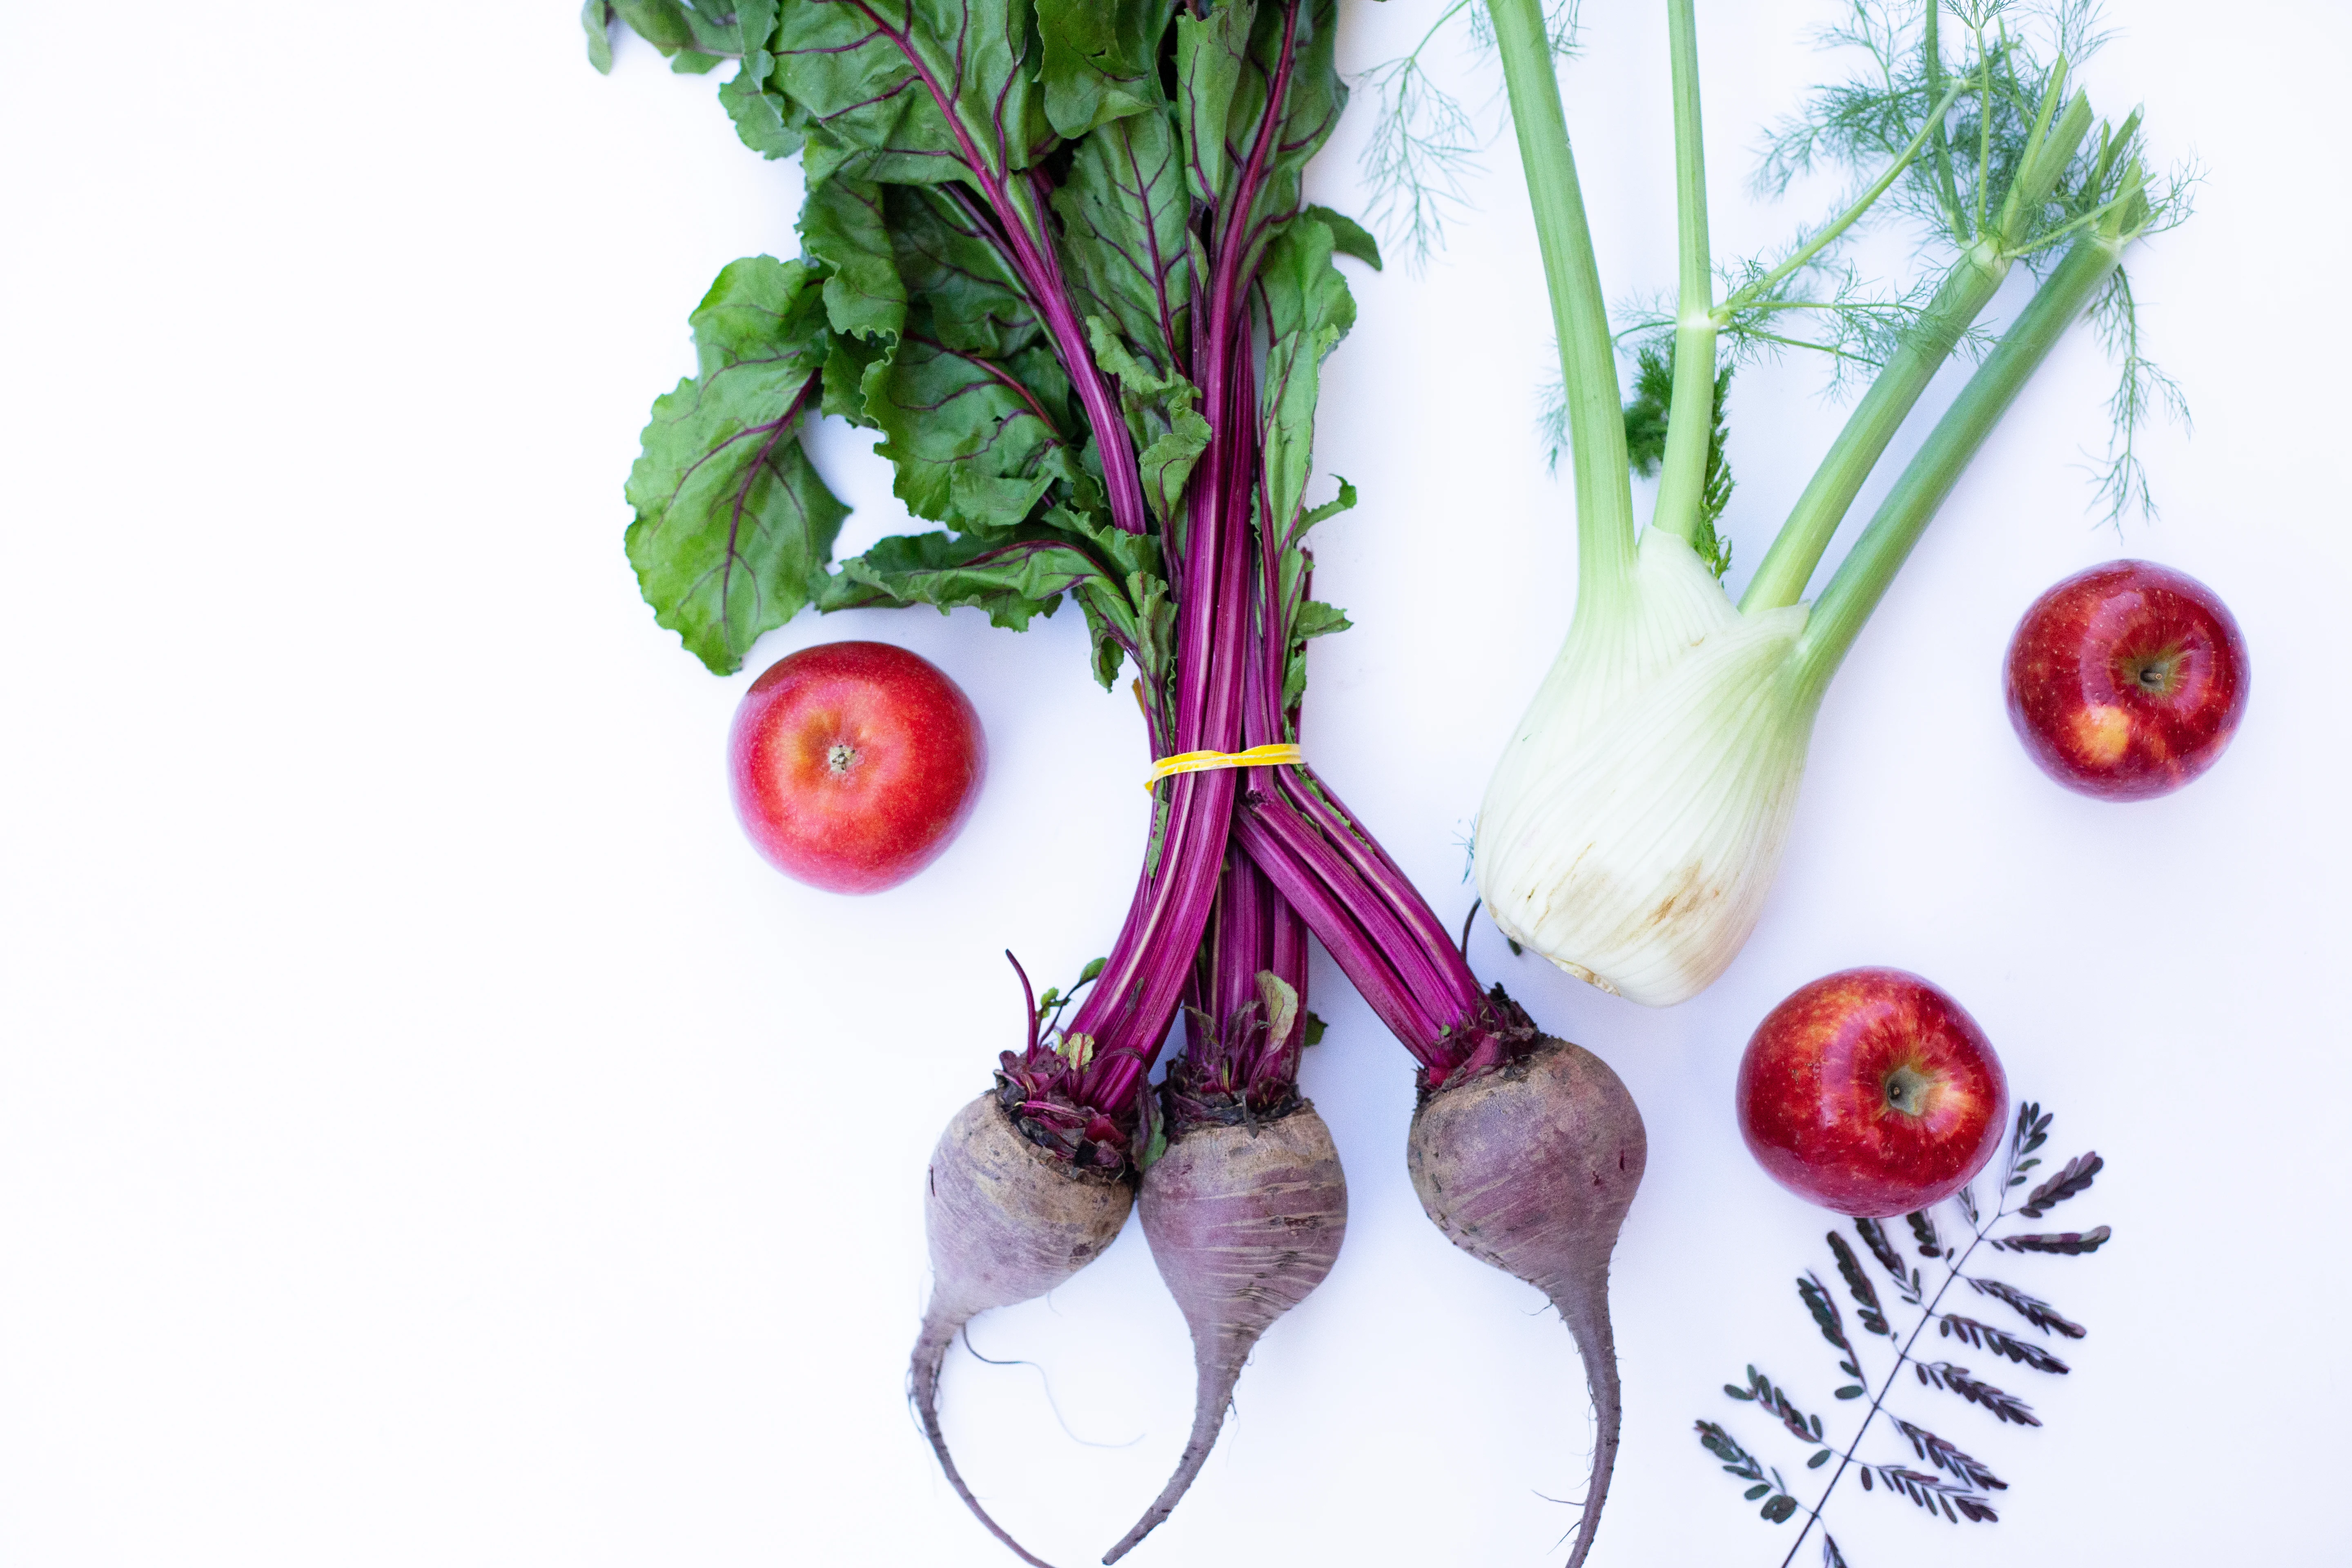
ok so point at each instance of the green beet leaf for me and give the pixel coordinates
(846, 366)
(870, 113)
(754, 100)
(1127, 610)
(1014, 580)
(1349, 238)
(759, 116)
(695, 34)
(596, 21)
(1161, 410)
(1309, 311)
(1102, 60)
(1311, 112)
(953, 422)
(733, 525)
(976, 413)
(1314, 619)
(1124, 208)
(843, 225)
(946, 262)
(1225, 68)
(1211, 52)
(662, 23)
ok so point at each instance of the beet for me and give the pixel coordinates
(1006, 1222)
(1243, 1221)
(1531, 1167)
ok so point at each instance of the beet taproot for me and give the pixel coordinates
(1006, 1223)
(1531, 1167)
(1243, 1221)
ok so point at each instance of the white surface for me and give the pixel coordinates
(428, 1135)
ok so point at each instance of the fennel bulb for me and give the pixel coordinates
(1634, 824)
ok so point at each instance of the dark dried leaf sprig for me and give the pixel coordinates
(1803, 1427)
(1932, 1492)
(1947, 1457)
(1780, 1503)
(2069, 1242)
(1909, 1284)
(1824, 1307)
(1984, 1336)
(2004, 1405)
(1954, 1485)
(2075, 1178)
(1857, 1283)
(2033, 1308)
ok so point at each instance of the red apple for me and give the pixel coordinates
(2127, 681)
(1872, 1093)
(854, 765)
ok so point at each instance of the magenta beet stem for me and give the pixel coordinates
(1233, 1063)
(1128, 1014)
(1303, 872)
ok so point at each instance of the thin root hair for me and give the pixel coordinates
(1045, 1383)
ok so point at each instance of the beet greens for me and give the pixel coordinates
(1036, 271)
(1056, 255)
(1035, 278)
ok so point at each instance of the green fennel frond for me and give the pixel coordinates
(2001, 70)
(1646, 415)
(1715, 497)
(2142, 391)
(1423, 152)
(1560, 28)
(1827, 308)
(1646, 439)
(1426, 145)
(1551, 415)
(2011, 55)
(1824, 308)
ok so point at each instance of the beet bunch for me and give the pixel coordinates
(1057, 255)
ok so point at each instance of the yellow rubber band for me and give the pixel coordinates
(1206, 761)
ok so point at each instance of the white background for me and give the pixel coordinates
(429, 1135)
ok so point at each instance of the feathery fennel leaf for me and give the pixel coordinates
(1425, 145)
(1646, 440)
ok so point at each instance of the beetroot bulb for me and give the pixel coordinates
(1246, 1205)
(1531, 1167)
(1525, 1151)
(1006, 1223)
